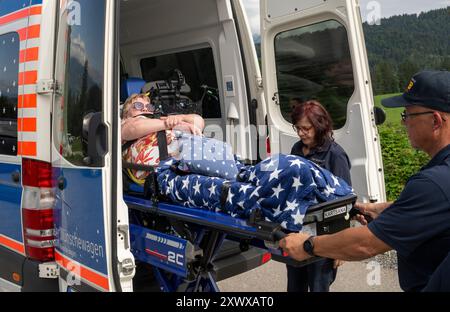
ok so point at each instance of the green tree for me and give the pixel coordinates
(405, 71)
(386, 79)
(420, 39)
(446, 63)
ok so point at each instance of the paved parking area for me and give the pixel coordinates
(351, 277)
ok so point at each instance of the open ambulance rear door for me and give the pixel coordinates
(315, 49)
(92, 236)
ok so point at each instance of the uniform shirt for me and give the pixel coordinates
(330, 156)
(417, 224)
(440, 280)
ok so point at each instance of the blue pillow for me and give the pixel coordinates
(206, 156)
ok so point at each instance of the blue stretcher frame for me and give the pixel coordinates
(216, 220)
(224, 226)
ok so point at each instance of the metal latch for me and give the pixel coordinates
(127, 267)
(276, 98)
(48, 270)
(46, 86)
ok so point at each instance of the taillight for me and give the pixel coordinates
(37, 210)
(266, 258)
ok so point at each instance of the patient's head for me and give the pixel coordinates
(137, 104)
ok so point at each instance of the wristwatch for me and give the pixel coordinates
(308, 246)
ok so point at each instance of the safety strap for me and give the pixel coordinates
(162, 145)
(127, 144)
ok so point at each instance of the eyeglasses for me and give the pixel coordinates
(405, 115)
(140, 106)
(301, 129)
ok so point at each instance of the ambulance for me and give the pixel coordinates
(66, 66)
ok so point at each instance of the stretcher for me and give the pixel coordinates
(181, 243)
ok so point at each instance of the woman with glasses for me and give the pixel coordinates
(138, 127)
(314, 126)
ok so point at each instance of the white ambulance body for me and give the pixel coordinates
(63, 219)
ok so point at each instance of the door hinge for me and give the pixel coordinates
(48, 270)
(47, 86)
(276, 98)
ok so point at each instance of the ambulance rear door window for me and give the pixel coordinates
(81, 62)
(314, 63)
(199, 70)
(9, 75)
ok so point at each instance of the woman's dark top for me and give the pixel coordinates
(330, 156)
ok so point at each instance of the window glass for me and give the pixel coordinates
(198, 68)
(79, 73)
(9, 73)
(314, 62)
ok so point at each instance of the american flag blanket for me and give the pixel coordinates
(283, 187)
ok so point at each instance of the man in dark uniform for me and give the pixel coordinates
(440, 280)
(417, 224)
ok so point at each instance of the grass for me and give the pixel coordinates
(392, 114)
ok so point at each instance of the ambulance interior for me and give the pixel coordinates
(160, 39)
(199, 38)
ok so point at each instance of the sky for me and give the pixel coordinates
(386, 8)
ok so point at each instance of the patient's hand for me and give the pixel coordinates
(172, 120)
(187, 127)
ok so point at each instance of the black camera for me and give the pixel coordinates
(170, 96)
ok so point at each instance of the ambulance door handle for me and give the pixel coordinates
(15, 176)
(61, 183)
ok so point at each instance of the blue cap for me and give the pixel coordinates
(429, 89)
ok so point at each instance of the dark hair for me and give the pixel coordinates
(317, 115)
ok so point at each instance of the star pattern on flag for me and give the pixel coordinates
(274, 175)
(255, 192)
(197, 188)
(335, 181)
(185, 183)
(317, 172)
(244, 188)
(291, 205)
(277, 191)
(277, 211)
(212, 189)
(283, 196)
(297, 183)
(296, 162)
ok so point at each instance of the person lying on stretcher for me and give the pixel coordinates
(143, 131)
(282, 187)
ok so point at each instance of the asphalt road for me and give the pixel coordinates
(351, 277)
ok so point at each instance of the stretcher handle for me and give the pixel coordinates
(354, 211)
(278, 235)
